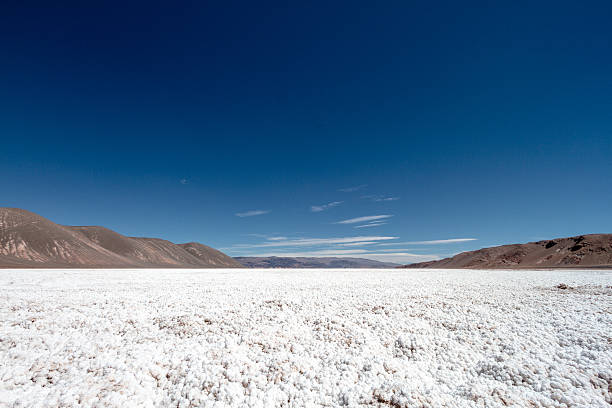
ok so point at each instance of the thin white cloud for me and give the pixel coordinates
(372, 224)
(322, 252)
(276, 238)
(313, 242)
(318, 208)
(393, 249)
(183, 181)
(380, 198)
(434, 242)
(397, 257)
(401, 257)
(252, 213)
(364, 219)
(352, 244)
(354, 188)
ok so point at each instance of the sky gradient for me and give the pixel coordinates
(352, 128)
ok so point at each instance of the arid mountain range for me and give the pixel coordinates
(29, 240)
(313, 262)
(594, 250)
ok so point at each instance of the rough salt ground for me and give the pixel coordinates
(305, 338)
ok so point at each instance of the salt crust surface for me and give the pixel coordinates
(299, 338)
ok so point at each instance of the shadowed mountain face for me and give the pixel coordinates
(594, 250)
(29, 240)
(302, 262)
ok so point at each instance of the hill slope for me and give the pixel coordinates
(29, 237)
(303, 262)
(594, 250)
(29, 240)
(209, 255)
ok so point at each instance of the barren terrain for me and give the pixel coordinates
(28, 240)
(583, 251)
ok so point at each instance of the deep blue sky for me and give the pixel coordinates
(483, 120)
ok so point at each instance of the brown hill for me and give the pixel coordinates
(152, 251)
(165, 252)
(209, 255)
(594, 250)
(29, 240)
(30, 237)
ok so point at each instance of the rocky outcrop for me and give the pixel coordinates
(593, 250)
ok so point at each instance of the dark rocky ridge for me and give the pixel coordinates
(311, 262)
(29, 240)
(593, 250)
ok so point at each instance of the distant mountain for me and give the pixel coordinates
(594, 250)
(303, 262)
(29, 240)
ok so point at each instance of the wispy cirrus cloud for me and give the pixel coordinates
(352, 244)
(184, 181)
(364, 219)
(354, 188)
(380, 198)
(252, 213)
(318, 208)
(372, 224)
(313, 242)
(398, 257)
(321, 252)
(434, 242)
(365, 246)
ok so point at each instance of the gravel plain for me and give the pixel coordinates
(305, 338)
